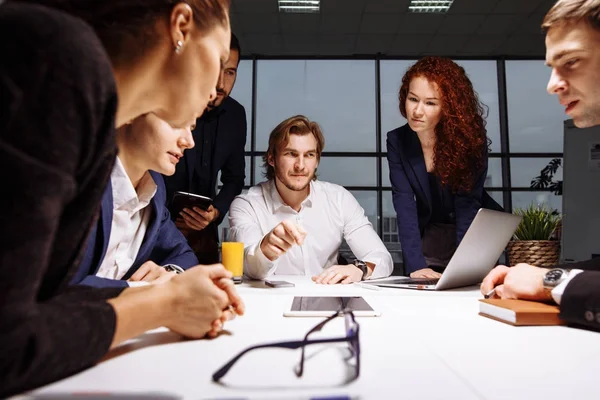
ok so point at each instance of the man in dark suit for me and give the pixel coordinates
(573, 52)
(220, 137)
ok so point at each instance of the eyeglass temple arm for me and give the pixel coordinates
(287, 345)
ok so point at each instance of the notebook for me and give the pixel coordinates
(476, 255)
(520, 312)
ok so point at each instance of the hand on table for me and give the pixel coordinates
(339, 274)
(151, 273)
(425, 273)
(522, 281)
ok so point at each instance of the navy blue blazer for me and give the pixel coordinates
(163, 243)
(412, 198)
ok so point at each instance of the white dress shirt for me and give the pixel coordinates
(129, 223)
(558, 291)
(329, 214)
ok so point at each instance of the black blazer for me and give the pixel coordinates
(580, 302)
(412, 198)
(228, 158)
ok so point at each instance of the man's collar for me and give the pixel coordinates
(278, 201)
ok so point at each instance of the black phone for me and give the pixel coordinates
(276, 284)
(183, 200)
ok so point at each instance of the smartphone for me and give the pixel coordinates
(183, 200)
(277, 284)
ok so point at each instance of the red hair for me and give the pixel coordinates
(460, 137)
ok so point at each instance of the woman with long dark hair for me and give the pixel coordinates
(71, 72)
(438, 163)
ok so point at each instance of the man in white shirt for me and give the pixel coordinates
(573, 52)
(293, 224)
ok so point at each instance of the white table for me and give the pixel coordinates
(426, 345)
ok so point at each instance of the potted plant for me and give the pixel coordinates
(535, 241)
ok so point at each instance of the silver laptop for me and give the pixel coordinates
(476, 255)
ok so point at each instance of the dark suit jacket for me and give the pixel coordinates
(57, 147)
(163, 243)
(412, 198)
(228, 158)
(580, 302)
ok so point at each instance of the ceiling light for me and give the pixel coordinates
(299, 6)
(429, 6)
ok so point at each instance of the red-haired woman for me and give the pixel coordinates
(438, 163)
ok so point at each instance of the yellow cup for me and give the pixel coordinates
(232, 258)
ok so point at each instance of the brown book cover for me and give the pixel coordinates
(520, 312)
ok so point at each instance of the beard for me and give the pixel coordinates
(290, 182)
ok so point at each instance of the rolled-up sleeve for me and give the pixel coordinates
(245, 227)
(362, 238)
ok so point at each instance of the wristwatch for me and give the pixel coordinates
(553, 278)
(360, 264)
(173, 268)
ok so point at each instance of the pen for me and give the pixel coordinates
(490, 293)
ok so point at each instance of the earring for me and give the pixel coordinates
(178, 47)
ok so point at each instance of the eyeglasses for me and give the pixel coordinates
(351, 338)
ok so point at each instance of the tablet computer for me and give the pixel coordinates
(308, 306)
(183, 200)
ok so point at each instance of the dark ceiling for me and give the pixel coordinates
(472, 28)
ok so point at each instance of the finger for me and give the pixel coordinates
(323, 275)
(154, 273)
(141, 272)
(282, 236)
(235, 300)
(347, 280)
(193, 214)
(494, 278)
(292, 229)
(330, 274)
(283, 243)
(500, 292)
(336, 278)
(193, 223)
(216, 271)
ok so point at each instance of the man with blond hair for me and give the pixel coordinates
(573, 53)
(294, 224)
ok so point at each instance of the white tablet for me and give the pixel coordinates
(308, 306)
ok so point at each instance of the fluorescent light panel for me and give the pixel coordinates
(299, 6)
(429, 6)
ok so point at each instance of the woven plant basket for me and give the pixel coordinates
(541, 253)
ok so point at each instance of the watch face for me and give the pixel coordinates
(553, 276)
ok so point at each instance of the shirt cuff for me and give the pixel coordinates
(137, 283)
(259, 265)
(558, 291)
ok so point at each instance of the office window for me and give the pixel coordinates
(368, 201)
(337, 94)
(493, 179)
(389, 218)
(525, 199)
(535, 119)
(242, 92)
(481, 73)
(391, 73)
(523, 170)
(345, 171)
